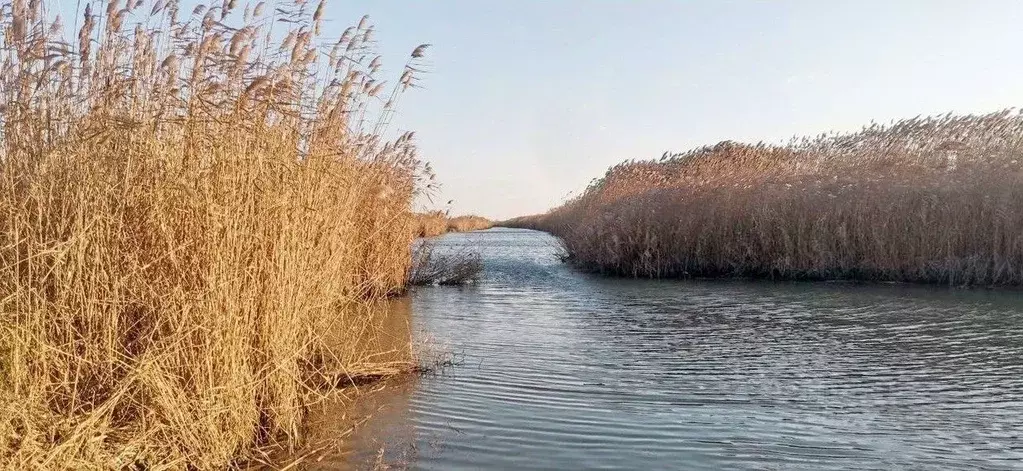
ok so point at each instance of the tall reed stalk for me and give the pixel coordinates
(188, 200)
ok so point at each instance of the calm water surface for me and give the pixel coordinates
(561, 370)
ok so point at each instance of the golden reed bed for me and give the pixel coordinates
(188, 201)
(435, 223)
(934, 200)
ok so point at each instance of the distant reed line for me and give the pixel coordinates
(932, 200)
(435, 223)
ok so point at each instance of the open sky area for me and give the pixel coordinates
(529, 100)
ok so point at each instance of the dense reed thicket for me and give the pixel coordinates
(435, 223)
(432, 223)
(469, 224)
(936, 200)
(188, 201)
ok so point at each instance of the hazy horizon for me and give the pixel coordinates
(524, 103)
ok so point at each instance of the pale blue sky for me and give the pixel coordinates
(528, 100)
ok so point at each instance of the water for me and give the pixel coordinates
(561, 370)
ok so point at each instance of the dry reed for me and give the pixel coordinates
(186, 204)
(937, 200)
(435, 223)
(432, 223)
(469, 224)
(451, 267)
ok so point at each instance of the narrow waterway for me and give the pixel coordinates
(555, 369)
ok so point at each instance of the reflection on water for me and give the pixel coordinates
(564, 370)
(364, 424)
(373, 335)
(370, 428)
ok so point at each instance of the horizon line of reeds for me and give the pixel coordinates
(930, 199)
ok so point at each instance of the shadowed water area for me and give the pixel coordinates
(557, 369)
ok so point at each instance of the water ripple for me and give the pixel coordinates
(566, 371)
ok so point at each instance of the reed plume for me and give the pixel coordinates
(186, 204)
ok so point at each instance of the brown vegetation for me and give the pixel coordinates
(935, 200)
(457, 267)
(435, 223)
(469, 224)
(432, 224)
(185, 208)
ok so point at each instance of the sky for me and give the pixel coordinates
(526, 101)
